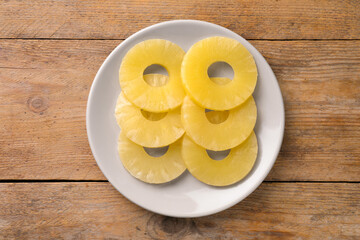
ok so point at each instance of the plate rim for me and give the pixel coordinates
(235, 199)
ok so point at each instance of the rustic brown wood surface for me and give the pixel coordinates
(45, 83)
(256, 19)
(50, 185)
(274, 211)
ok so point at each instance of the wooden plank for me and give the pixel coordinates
(44, 86)
(319, 82)
(97, 210)
(258, 19)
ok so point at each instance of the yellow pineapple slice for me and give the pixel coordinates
(137, 90)
(147, 168)
(217, 95)
(223, 172)
(148, 129)
(218, 131)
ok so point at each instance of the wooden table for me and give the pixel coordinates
(50, 185)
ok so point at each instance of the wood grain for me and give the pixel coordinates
(44, 87)
(258, 19)
(98, 211)
(320, 83)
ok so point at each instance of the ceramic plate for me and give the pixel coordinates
(185, 196)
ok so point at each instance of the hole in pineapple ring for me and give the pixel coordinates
(156, 69)
(153, 116)
(220, 73)
(216, 117)
(218, 155)
(156, 152)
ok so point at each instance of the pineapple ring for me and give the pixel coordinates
(137, 59)
(209, 94)
(148, 129)
(224, 172)
(147, 168)
(225, 135)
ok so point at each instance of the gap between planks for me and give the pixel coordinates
(122, 39)
(102, 181)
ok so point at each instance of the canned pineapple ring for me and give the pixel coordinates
(147, 168)
(230, 170)
(209, 94)
(212, 135)
(137, 59)
(148, 129)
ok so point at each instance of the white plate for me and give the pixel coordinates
(186, 196)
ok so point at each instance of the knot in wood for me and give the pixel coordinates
(168, 227)
(172, 225)
(37, 104)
